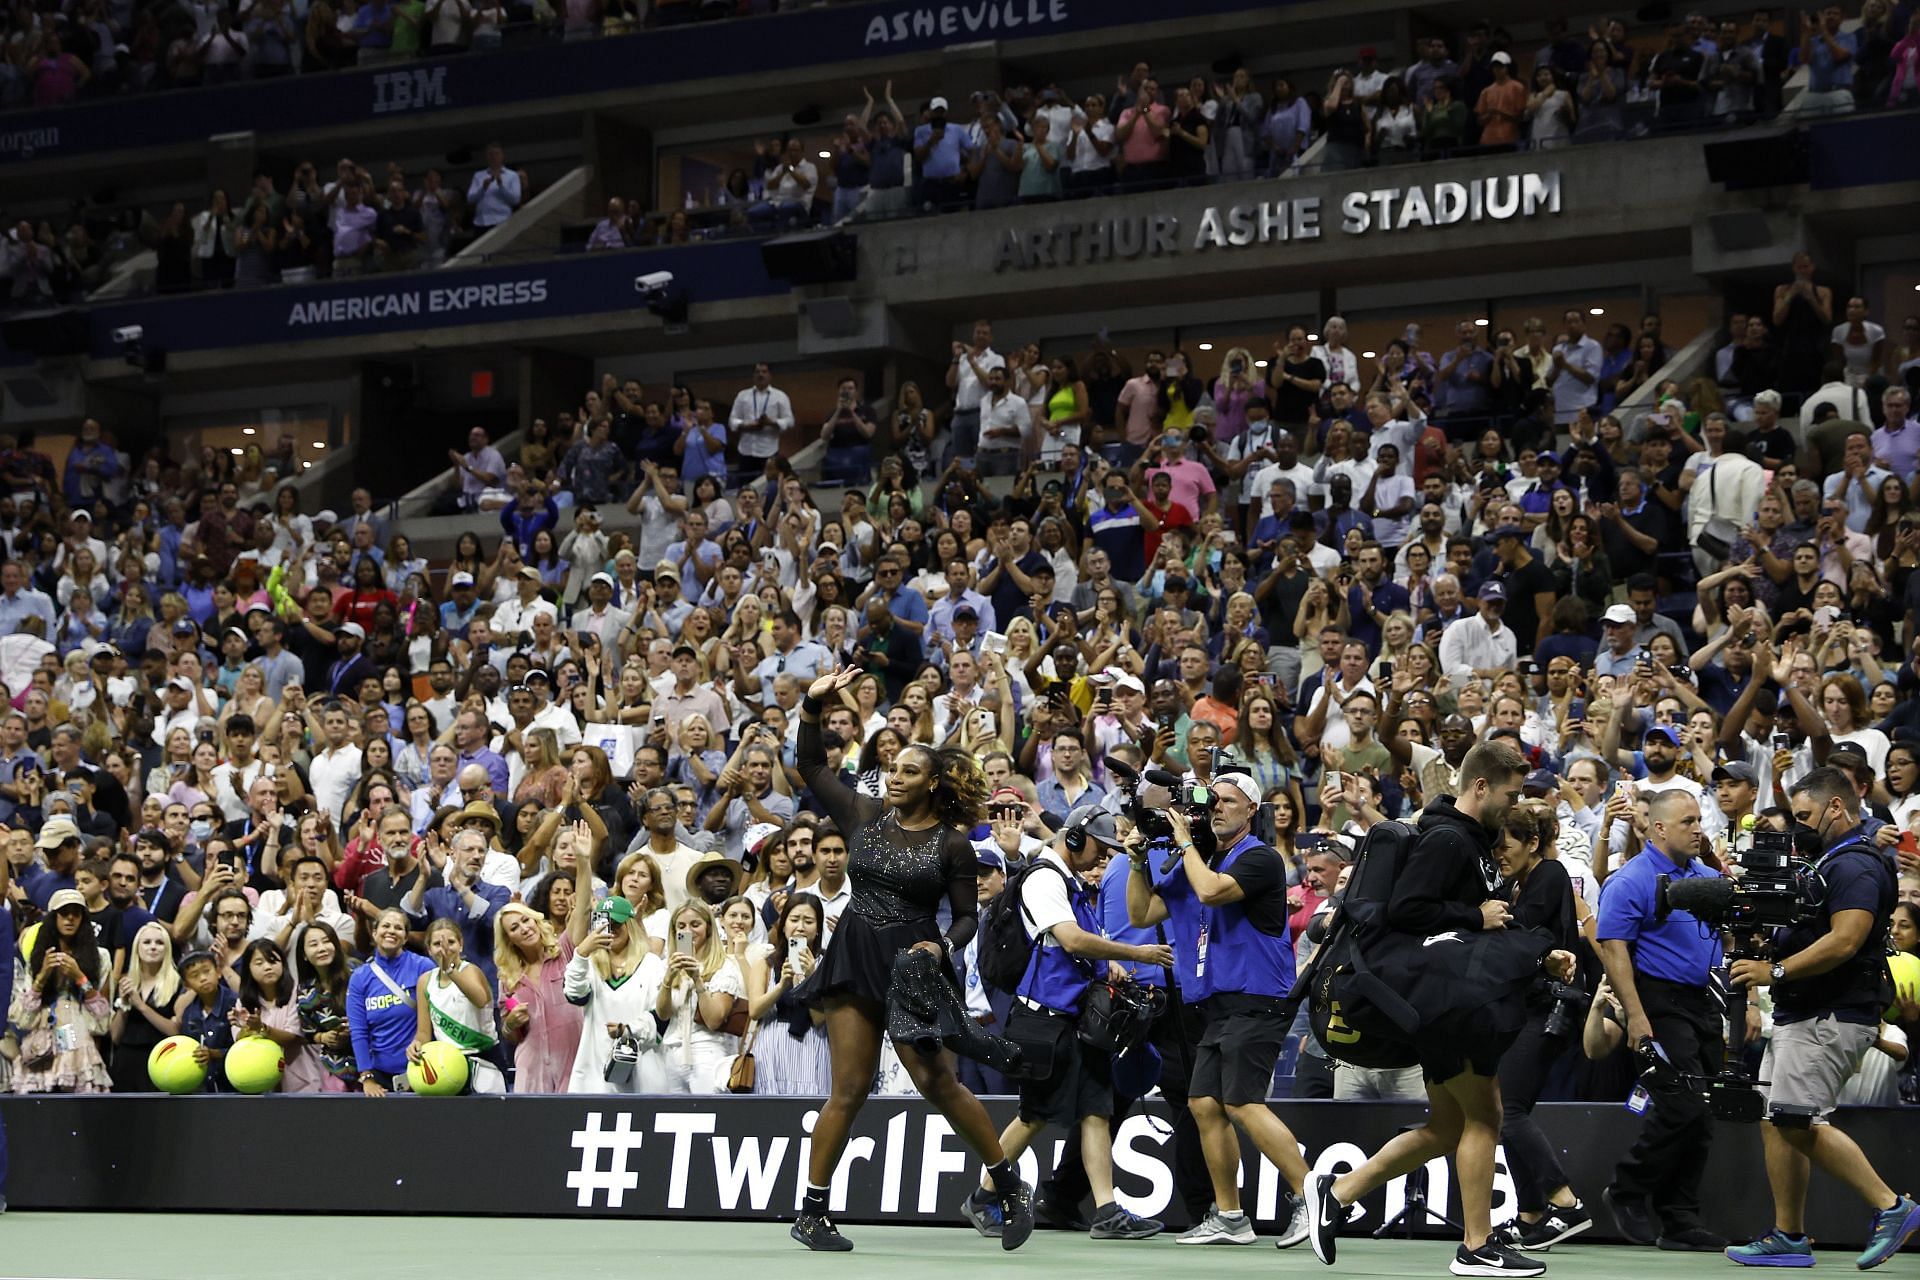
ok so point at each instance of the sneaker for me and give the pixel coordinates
(1217, 1229)
(817, 1232)
(1559, 1224)
(1494, 1259)
(1691, 1238)
(1774, 1249)
(1052, 1211)
(1632, 1216)
(1118, 1224)
(1296, 1229)
(982, 1209)
(1324, 1214)
(1891, 1228)
(1016, 1217)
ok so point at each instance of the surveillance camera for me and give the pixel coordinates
(653, 282)
(131, 333)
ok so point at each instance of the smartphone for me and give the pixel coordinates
(1309, 840)
(993, 642)
(799, 947)
(1782, 742)
(1332, 783)
(1577, 709)
(1386, 671)
(1270, 679)
(682, 943)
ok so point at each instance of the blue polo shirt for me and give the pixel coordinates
(1118, 927)
(1680, 949)
(945, 153)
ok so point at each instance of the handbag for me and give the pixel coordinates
(737, 1023)
(740, 1076)
(37, 1051)
(1719, 534)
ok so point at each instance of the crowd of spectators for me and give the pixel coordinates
(347, 224)
(272, 772)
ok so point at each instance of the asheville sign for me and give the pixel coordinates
(807, 38)
(1369, 211)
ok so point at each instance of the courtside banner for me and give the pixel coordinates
(727, 1157)
(808, 38)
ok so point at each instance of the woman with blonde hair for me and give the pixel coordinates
(697, 760)
(531, 959)
(249, 697)
(545, 779)
(176, 762)
(637, 879)
(1396, 642)
(147, 993)
(696, 1002)
(614, 977)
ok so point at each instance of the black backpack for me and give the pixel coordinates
(1005, 951)
(1358, 1018)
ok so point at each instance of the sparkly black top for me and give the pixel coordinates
(898, 876)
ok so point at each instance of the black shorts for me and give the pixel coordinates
(1078, 1081)
(1233, 1063)
(1444, 1057)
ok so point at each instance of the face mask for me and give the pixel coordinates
(1807, 842)
(199, 829)
(1173, 439)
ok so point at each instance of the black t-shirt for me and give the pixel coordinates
(316, 657)
(1188, 159)
(1281, 605)
(163, 900)
(380, 889)
(1858, 878)
(1522, 585)
(1777, 443)
(1682, 62)
(1290, 403)
(1262, 877)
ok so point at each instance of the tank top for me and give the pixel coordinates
(1060, 404)
(457, 1019)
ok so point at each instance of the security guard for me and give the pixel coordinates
(1662, 971)
(1060, 915)
(1228, 911)
(1829, 988)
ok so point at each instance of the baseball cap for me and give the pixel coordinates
(666, 569)
(687, 649)
(532, 672)
(1666, 731)
(938, 104)
(1241, 782)
(185, 627)
(616, 909)
(1619, 615)
(325, 515)
(55, 832)
(460, 580)
(1541, 780)
(1501, 57)
(1510, 531)
(64, 898)
(1097, 823)
(758, 835)
(1734, 771)
(1492, 589)
(235, 631)
(966, 611)
(83, 514)
(1006, 795)
(606, 578)
(989, 858)
(1127, 680)
(528, 571)
(353, 629)
(1176, 584)
(181, 683)
(1547, 456)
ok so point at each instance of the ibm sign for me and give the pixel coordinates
(419, 89)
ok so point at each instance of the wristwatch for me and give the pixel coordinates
(1778, 972)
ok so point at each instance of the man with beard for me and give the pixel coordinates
(1444, 891)
(658, 836)
(160, 887)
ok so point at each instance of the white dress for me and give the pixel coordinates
(699, 1060)
(467, 1027)
(630, 1001)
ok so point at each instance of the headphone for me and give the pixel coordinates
(1075, 832)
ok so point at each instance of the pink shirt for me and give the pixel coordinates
(1191, 480)
(1141, 147)
(543, 1061)
(1141, 399)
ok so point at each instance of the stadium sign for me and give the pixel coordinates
(952, 21)
(1367, 211)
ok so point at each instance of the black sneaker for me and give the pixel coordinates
(1053, 1211)
(1691, 1237)
(817, 1232)
(1118, 1224)
(1632, 1216)
(1016, 1217)
(1559, 1224)
(1494, 1259)
(982, 1209)
(1324, 1214)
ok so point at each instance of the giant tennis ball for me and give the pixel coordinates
(171, 1066)
(255, 1064)
(1906, 975)
(441, 1072)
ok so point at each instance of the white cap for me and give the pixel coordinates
(1502, 58)
(1241, 782)
(353, 629)
(938, 104)
(1621, 614)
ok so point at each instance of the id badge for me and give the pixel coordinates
(1638, 1101)
(66, 1037)
(1200, 953)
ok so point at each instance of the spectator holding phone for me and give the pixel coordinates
(531, 958)
(697, 1003)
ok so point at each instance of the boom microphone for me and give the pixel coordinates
(1162, 778)
(1707, 898)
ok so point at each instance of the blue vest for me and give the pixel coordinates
(1183, 924)
(1055, 978)
(1117, 927)
(1239, 957)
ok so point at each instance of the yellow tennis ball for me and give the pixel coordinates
(171, 1066)
(1906, 975)
(255, 1064)
(441, 1072)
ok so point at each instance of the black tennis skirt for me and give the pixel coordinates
(859, 960)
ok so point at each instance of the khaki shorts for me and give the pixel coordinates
(1808, 1063)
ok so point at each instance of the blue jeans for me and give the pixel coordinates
(850, 466)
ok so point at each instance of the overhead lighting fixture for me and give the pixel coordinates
(1313, 337)
(319, 444)
(236, 451)
(305, 465)
(1368, 355)
(826, 155)
(1259, 364)
(1206, 346)
(1596, 311)
(1481, 322)
(247, 431)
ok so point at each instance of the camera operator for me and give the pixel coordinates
(1076, 1091)
(1230, 906)
(1828, 990)
(1660, 970)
